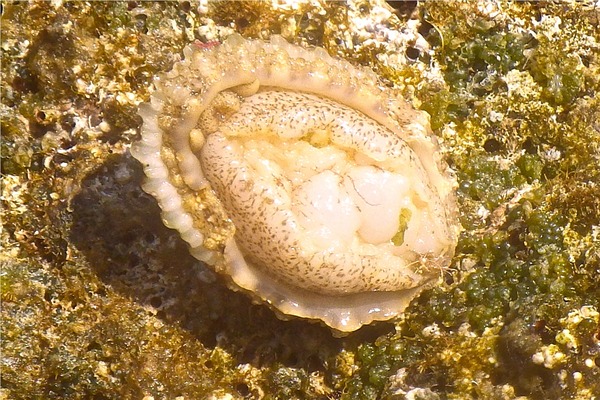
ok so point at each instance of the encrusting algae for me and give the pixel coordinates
(100, 299)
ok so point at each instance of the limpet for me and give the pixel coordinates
(301, 178)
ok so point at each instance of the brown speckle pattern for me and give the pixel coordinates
(295, 146)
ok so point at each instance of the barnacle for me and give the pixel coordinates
(300, 178)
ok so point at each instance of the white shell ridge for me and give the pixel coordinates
(300, 178)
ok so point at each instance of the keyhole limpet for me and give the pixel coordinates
(301, 178)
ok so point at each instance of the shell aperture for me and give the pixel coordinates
(300, 178)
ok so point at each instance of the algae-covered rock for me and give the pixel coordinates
(100, 300)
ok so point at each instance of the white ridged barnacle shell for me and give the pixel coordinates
(301, 178)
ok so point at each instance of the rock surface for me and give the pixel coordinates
(93, 300)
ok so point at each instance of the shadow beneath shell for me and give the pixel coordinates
(117, 227)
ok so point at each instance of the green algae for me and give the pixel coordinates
(524, 277)
(101, 301)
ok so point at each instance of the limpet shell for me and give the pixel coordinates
(300, 178)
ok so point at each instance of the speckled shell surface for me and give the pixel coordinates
(300, 178)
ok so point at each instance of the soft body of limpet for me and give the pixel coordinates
(301, 178)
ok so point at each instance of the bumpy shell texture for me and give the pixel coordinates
(300, 178)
